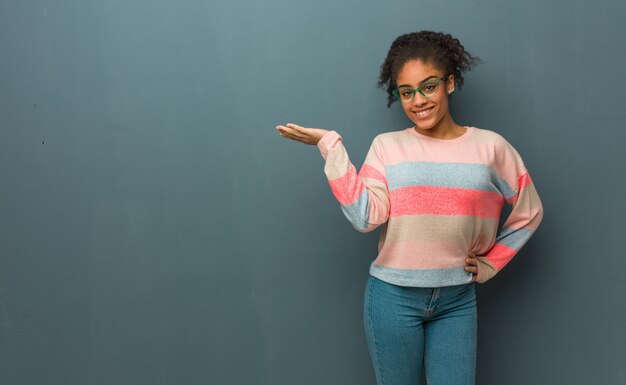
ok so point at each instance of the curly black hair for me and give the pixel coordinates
(436, 48)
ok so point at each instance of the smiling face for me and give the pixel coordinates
(430, 114)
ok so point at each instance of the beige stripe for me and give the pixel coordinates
(337, 163)
(442, 228)
(486, 270)
(422, 255)
(529, 199)
(527, 206)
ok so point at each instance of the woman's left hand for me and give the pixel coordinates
(471, 265)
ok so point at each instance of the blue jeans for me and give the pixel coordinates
(408, 328)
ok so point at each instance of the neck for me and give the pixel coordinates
(446, 128)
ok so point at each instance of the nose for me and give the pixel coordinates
(419, 99)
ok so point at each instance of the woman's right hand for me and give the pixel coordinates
(301, 134)
(471, 265)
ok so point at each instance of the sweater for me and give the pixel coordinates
(437, 200)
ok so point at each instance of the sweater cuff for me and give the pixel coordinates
(329, 142)
(486, 270)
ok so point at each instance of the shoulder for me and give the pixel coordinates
(504, 154)
(493, 140)
(483, 135)
(388, 145)
(392, 137)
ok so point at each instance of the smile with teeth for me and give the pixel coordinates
(424, 113)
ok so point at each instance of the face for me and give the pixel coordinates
(429, 113)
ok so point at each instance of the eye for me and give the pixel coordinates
(406, 94)
(429, 88)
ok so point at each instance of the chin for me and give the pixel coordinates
(425, 125)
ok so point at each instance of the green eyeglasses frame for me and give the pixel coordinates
(420, 89)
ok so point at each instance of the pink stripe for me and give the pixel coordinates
(500, 255)
(368, 171)
(522, 182)
(445, 201)
(347, 188)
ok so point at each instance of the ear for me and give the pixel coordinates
(450, 85)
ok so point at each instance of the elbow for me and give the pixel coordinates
(538, 217)
(362, 219)
(364, 227)
(532, 214)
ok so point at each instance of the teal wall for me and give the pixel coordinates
(154, 228)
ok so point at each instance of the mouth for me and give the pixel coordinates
(424, 113)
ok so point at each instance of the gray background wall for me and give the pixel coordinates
(154, 228)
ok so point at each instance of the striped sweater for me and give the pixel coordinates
(437, 200)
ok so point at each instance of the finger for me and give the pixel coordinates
(286, 127)
(295, 126)
(290, 136)
(284, 133)
(471, 261)
(299, 131)
(283, 128)
(293, 129)
(471, 269)
(471, 254)
(290, 132)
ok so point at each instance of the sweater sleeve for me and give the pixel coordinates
(363, 196)
(526, 213)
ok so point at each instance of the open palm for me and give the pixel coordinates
(301, 134)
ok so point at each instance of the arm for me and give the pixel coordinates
(363, 196)
(526, 215)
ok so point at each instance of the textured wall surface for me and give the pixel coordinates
(154, 228)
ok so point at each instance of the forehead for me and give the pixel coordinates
(415, 71)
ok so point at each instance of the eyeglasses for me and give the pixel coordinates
(427, 89)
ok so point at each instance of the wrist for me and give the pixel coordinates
(328, 141)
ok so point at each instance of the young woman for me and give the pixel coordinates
(438, 189)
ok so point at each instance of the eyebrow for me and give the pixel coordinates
(428, 78)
